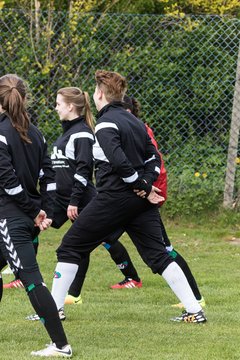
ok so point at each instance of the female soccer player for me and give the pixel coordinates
(72, 160)
(27, 187)
(131, 104)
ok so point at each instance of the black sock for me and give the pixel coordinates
(122, 259)
(77, 284)
(185, 268)
(36, 244)
(45, 306)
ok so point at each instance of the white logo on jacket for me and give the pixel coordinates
(57, 154)
(58, 159)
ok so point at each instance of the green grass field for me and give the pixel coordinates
(135, 323)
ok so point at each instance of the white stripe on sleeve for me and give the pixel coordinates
(105, 125)
(131, 179)
(81, 179)
(15, 190)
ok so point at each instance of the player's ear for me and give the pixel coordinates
(99, 93)
(70, 107)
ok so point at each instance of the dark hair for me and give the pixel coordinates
(112, 84)
(13, 95)
(80, 100)
(132, 104)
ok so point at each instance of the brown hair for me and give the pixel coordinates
(112, 84)
(13, 94)
(132, 104)
(80, 100)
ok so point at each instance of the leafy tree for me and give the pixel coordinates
(168, 7)
(82, 5)
(217, 7)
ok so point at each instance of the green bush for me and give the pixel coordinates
(191, 193)
(198, 186)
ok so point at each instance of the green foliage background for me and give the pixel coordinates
(182, 70)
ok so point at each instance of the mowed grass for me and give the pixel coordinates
(135, 323)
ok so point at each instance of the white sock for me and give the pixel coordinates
(177, 281)
(63, 278)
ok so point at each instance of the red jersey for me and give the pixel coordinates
(161, 182)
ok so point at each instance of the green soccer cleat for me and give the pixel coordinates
(72, 300)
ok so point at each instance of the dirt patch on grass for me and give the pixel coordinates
(233, 241)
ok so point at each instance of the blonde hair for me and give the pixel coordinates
(113, 85)
(80, 100)
(13, 94)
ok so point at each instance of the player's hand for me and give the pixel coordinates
(141, 187)
(42, 221)
(45, 224)
(154, 197)
(72, 212)
(140, 193)
(40, 217)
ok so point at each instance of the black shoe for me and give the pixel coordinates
(197, 318)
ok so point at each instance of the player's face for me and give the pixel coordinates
(63, 109)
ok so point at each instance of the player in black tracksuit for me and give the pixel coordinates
(131, 104)
(72, 160)
(24, 210)
(126, 161)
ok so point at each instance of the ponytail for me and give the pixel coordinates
(136, 107)
(88, 112)
(132, 104)
(13, 101)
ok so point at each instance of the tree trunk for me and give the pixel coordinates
(233, 142)
(37, 27)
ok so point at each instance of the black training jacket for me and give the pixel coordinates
(27, 180)
(123, 151)
(72, 160)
